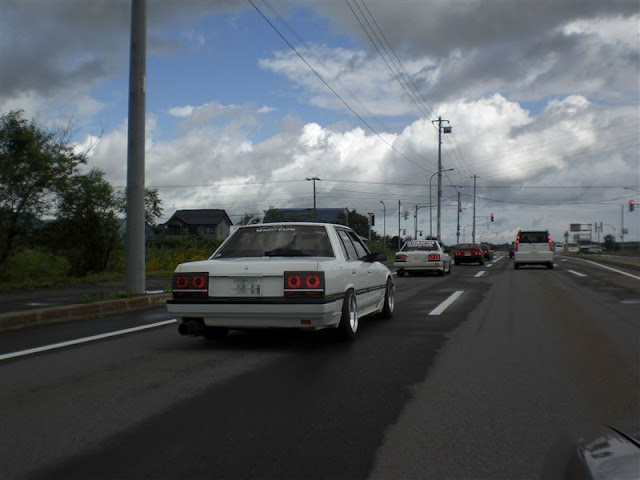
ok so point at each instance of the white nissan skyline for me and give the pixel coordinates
(307, 276)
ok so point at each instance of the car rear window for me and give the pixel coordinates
(533, 237)
(277, 241)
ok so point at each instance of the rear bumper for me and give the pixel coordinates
(309, 314)
(423, 267)
(533, 258)
(469, 259)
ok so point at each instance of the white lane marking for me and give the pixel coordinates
(68, 343)
(609, 268)
(444, 305)
(489, 265)
(479, 274)
(577, 273)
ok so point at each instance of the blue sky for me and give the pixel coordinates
(543, 99)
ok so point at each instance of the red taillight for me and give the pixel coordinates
(550, 242)
(434, 256)
(401, 258)
(293, 281)
(517, 242)
(191, 284)
(303, 284)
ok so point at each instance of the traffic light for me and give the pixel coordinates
(632, 205)
(492, 217)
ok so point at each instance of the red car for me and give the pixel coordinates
(468, 253)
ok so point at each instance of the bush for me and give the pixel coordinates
(35, 266)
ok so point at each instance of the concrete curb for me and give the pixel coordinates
(83, 311)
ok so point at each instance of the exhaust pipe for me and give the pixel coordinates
(191, 326)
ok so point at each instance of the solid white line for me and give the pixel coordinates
(68, 343)
(577, 273)
(479, 274)
(443, 306)
(609, 268)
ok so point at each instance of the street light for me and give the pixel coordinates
(430, 202)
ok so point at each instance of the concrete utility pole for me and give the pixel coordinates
(473, 235)
(384, 223)
(399, 245)
(313, 179)
(458, 228)
(135, 269)
(441, 130)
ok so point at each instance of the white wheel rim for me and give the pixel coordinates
(353, 313)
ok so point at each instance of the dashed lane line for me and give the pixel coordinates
(447, 303)
(577, 273)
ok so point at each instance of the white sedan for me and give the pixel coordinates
(422, 256)
(307, 276)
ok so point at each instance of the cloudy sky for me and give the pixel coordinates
(247, 99)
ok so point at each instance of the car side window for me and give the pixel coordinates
(347, 245)
(361, 250)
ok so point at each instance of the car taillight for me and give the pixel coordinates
(517, 242)
(303, 284)
(191, 284)
(457, 253)
(401, 258)
(434, 256)
(550, 242)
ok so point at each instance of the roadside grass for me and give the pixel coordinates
(39, 268)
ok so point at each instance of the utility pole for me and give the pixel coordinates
(458, 227)
(473, 235)
(135, 269)
(399, 246)
(384, 223)
(313, 179)
(441, 130)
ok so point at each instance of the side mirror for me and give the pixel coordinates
(376, 257)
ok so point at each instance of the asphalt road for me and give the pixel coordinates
(500, 385)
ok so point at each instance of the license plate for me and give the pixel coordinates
(467, 254)
(247, 286)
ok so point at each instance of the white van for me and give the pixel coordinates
(533, 247)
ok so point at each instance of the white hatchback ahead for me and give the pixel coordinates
(307, 276)
(533, 247)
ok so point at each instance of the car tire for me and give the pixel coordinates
(482, 261)
(516, 266)
(389, 301)
(400, 273)
(348, 325)
(215, 333)
(456, 262)
(449, 269)
(550, 265)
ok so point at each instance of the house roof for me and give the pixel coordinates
(209, 216)
(327, 215)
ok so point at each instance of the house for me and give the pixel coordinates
(213, 223)
(325, 215)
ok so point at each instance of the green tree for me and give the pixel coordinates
(87, 227)
(35, 167)
(152, 204)
(359, 223)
